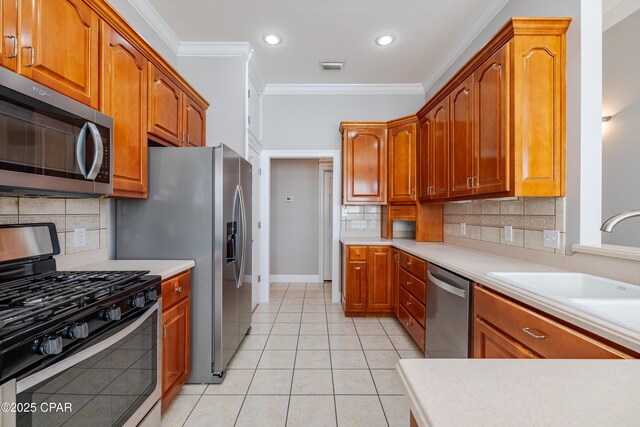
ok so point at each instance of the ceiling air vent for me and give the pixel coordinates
(331, 65)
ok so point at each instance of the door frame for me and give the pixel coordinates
(323, 168)
(265, 211)
(252, 154)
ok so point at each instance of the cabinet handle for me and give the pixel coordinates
(474, 182)
(468, 179)
(15, 46)
(531, 334)
(357, 268)
(188, 139)
(33, 56)
(409, 283)
(164, 331)
(178, 289)
(409, 263)
(408, 303)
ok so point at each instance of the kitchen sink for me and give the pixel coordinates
(625, 310)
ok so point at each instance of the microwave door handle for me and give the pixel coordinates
(81, 150)
(98, 151)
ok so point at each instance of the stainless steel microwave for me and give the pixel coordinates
(50, 143)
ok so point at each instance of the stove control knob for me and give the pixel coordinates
(137, 301)
(48, 346)
(111, 314)
(152, 295)
(77, 331)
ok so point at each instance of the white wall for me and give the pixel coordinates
(621, 136)
(222, 80)
(311, 122)
(294, 226)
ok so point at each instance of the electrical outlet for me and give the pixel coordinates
(372, 224)
(463, 228)
(551, 239)
(79, 237)
(358, 224)
(508, 233)
(288, 199)
(344, 212)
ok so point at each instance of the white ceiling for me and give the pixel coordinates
(338, 30)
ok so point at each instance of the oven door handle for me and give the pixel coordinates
(66, 363)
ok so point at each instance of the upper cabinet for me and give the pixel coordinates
(193, 123)
(364, 161)
(461, 152)
(434, 152)
(9, 31)
(59, 47)
(402, 160)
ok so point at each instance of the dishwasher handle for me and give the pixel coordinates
(446, 287)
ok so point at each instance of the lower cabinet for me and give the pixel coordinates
(503, 328)
(176, 302)
(367, 276)
(410, 285)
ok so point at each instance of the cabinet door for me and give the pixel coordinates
(491, 98)
(194, 124)
(402, 163)
(365, 166)
(175, 349)
(425, 167)
(9, 33)
(440, 151)
(461, 152)
(489, 343)
(59, 47)
(165, 108)
(356, 287)
(124, 97)
(380, 266)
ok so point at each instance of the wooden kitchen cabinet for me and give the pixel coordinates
(412, 291)
(367, 273)
(504, 328)
(379, 292)
(402, 160)
(59, 45)
(165, 108)
(461, 150)
(356, 288)
(176, 335)
(194, 123)
(10, 45)
(123, 96)
(434, 152)
(364, 163)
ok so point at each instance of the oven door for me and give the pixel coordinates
(113, 380)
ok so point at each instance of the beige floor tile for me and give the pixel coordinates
(263, 317)
(411, 354)
(396, 408)
(382, 359)
(341, 329)
(267, 308)
(253, 342)
(344, 342)
(312, 381)
(282, 342)
(370, 329)
(293, 300)
(179, 409)
(236, 381)
(387, 381)
(265, 411)
(276, 294)
(311, 411)
(313, 342)
(314, 294)
(196, 389)
(313, 308)
(223, 409)
(338, 318)
(288, 317)
(359, 411)
(333, 307)
(314, 317)
(291, 308)
(348, 359)
(285, 329)
(394, 329)
(277, 359)
(375, 342)
(366, 320)
(271, 381)
(261, 328)
(313, 329)
(403, 342)
(245, 359)
(314, 300)
(353, 381)
(388, 321)
(313, 359)
(295, 293)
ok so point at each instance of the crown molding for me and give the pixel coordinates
(344, 89)
(618, 13)
(463, 42)
(243, 49)
(157, 23)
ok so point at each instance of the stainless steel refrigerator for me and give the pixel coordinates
(199, 208)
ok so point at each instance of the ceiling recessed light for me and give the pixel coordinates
(272, 39)
(385, 40)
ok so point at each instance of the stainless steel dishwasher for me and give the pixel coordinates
(448, 330)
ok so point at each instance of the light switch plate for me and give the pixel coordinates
(551, 239)
(79, 237)
(358, 224)
(463, 228)
(508, 233)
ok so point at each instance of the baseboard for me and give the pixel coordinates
(295, 278)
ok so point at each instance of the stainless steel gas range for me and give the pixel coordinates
(76, 348)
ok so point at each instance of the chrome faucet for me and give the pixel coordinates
(610, 224)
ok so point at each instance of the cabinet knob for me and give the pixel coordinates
(409, 283)
(409, 263)
(178, 289)
(357, 253)
(408, 303)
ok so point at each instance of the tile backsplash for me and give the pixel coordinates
(66, 214)
(528, 216)
(370, 217)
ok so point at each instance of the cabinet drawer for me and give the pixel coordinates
(412, 326)
(545, 336)
(357, 253)
(403, 212)
(413, 285)
(412, 305)
(176, 289)
(414, 265)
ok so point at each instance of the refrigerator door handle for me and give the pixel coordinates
(243, 221)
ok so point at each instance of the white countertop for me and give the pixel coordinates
(474, 265)
(522, 392)
(163, 268)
